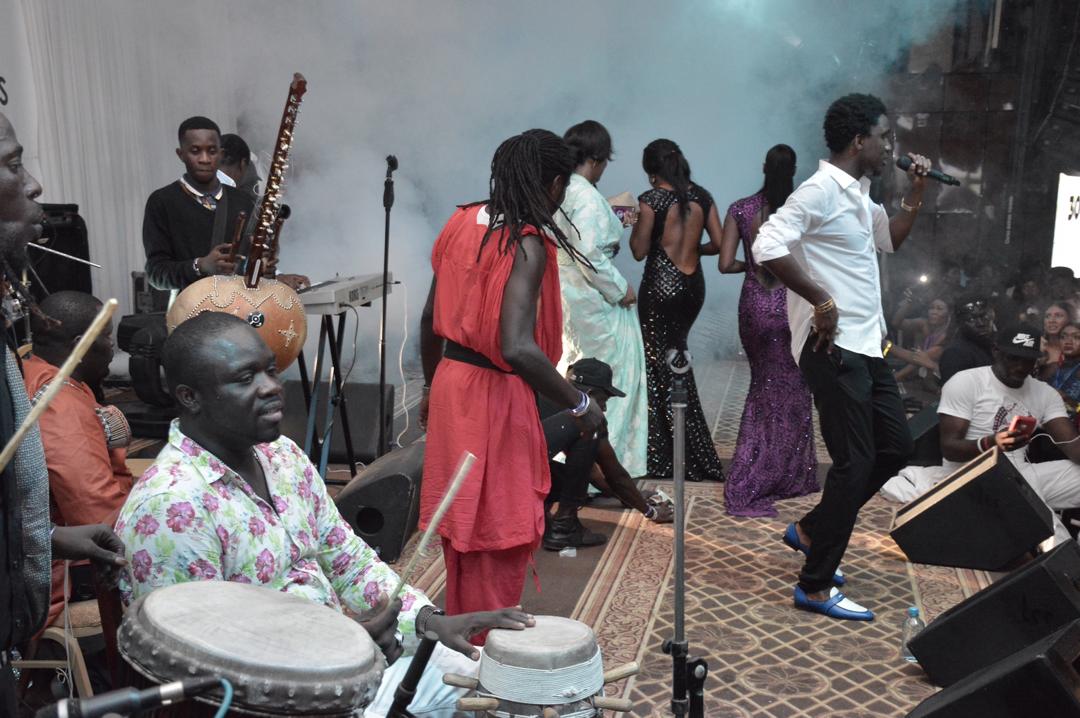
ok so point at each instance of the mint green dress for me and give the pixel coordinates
(594, 325)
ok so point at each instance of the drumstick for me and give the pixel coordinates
(88, 337)
(464, 466)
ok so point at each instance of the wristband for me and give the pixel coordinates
(979, 444)
(650, 513)
(423, 616)
(582, 406)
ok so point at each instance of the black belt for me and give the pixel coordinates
(455, 351)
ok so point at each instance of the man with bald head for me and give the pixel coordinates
(25, 546)
(230, 498)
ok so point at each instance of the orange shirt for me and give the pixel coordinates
(88, 482)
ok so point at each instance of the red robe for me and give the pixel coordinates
(490, 413)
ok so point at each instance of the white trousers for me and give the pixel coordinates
(434, 699)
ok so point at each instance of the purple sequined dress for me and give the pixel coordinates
(775, 456)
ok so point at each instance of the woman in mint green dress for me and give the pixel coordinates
(599, 318)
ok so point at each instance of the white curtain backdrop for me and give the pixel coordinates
(106, 117)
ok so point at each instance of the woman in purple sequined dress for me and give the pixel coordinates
(775, 456)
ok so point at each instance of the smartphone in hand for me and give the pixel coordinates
(1023, 425)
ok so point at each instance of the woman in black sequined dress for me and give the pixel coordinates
(674, 215)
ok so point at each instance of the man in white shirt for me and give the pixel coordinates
(823, 245)
(978, 405)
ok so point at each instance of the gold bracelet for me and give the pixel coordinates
(907, 207)
(886, 348)
(825, 307)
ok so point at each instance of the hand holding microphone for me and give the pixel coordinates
(919, 166)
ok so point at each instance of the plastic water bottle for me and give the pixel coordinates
(912, 625)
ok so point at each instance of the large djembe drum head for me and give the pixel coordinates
(274, 309)
(283, 654)
(553, 663)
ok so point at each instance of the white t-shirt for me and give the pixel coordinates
(988, 405)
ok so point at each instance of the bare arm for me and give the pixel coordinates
(729, 244)
(618, 478)
(517, 324)
(955, 447)
(788, 271)
(431, 344)
(901, 223)
(642, 232)
(715, 230)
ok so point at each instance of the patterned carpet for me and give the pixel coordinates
(765, 657)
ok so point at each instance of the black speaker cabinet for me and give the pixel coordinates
(1039, 680)
(65, 231)
(926, 434)
(362, 402)
(983, 516)
(1020, 609)
(382, 503)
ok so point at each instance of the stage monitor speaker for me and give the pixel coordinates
(982, 516)
(65, 231)
(382, 503)
(1040, 680)
(362, 405)
(1024, 607)
(926, 434)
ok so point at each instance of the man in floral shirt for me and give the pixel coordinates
(231, 499)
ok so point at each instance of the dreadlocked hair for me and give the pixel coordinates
(522, 169)
(665, 160)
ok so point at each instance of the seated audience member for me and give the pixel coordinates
(237, 166)
(977, 406)
(1060, 284)
(84, 441)
(570, 478)
(1028, 302)
(230, 498)
(1056, 316)
(927, 335)
(973, 339)
(1066, 378)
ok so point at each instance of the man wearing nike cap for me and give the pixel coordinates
(978, 405)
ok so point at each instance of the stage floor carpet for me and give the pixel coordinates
(765, 657)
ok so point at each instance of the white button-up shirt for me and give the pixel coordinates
(831, 228)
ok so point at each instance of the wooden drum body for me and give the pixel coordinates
(274, 309)
(283, 654)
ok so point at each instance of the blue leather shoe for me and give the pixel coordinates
(791, 538)
(837, 606)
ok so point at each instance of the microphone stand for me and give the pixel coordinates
(388, 203)
(406, 690)
(687, 675)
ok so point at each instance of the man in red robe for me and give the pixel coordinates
(491, 334)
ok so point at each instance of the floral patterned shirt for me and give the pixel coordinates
(192, 518)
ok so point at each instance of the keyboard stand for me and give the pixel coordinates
(318, 443)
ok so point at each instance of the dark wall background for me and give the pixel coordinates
(993, 99)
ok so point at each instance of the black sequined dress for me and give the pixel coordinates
(668, 303)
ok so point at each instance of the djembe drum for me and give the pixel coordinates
(283, 654)
(550, 670)
(273, 308)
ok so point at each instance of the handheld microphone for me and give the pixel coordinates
(388, 187)
(904, 163)
(128, 700)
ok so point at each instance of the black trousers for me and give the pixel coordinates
(569, 480)
(865, 430)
